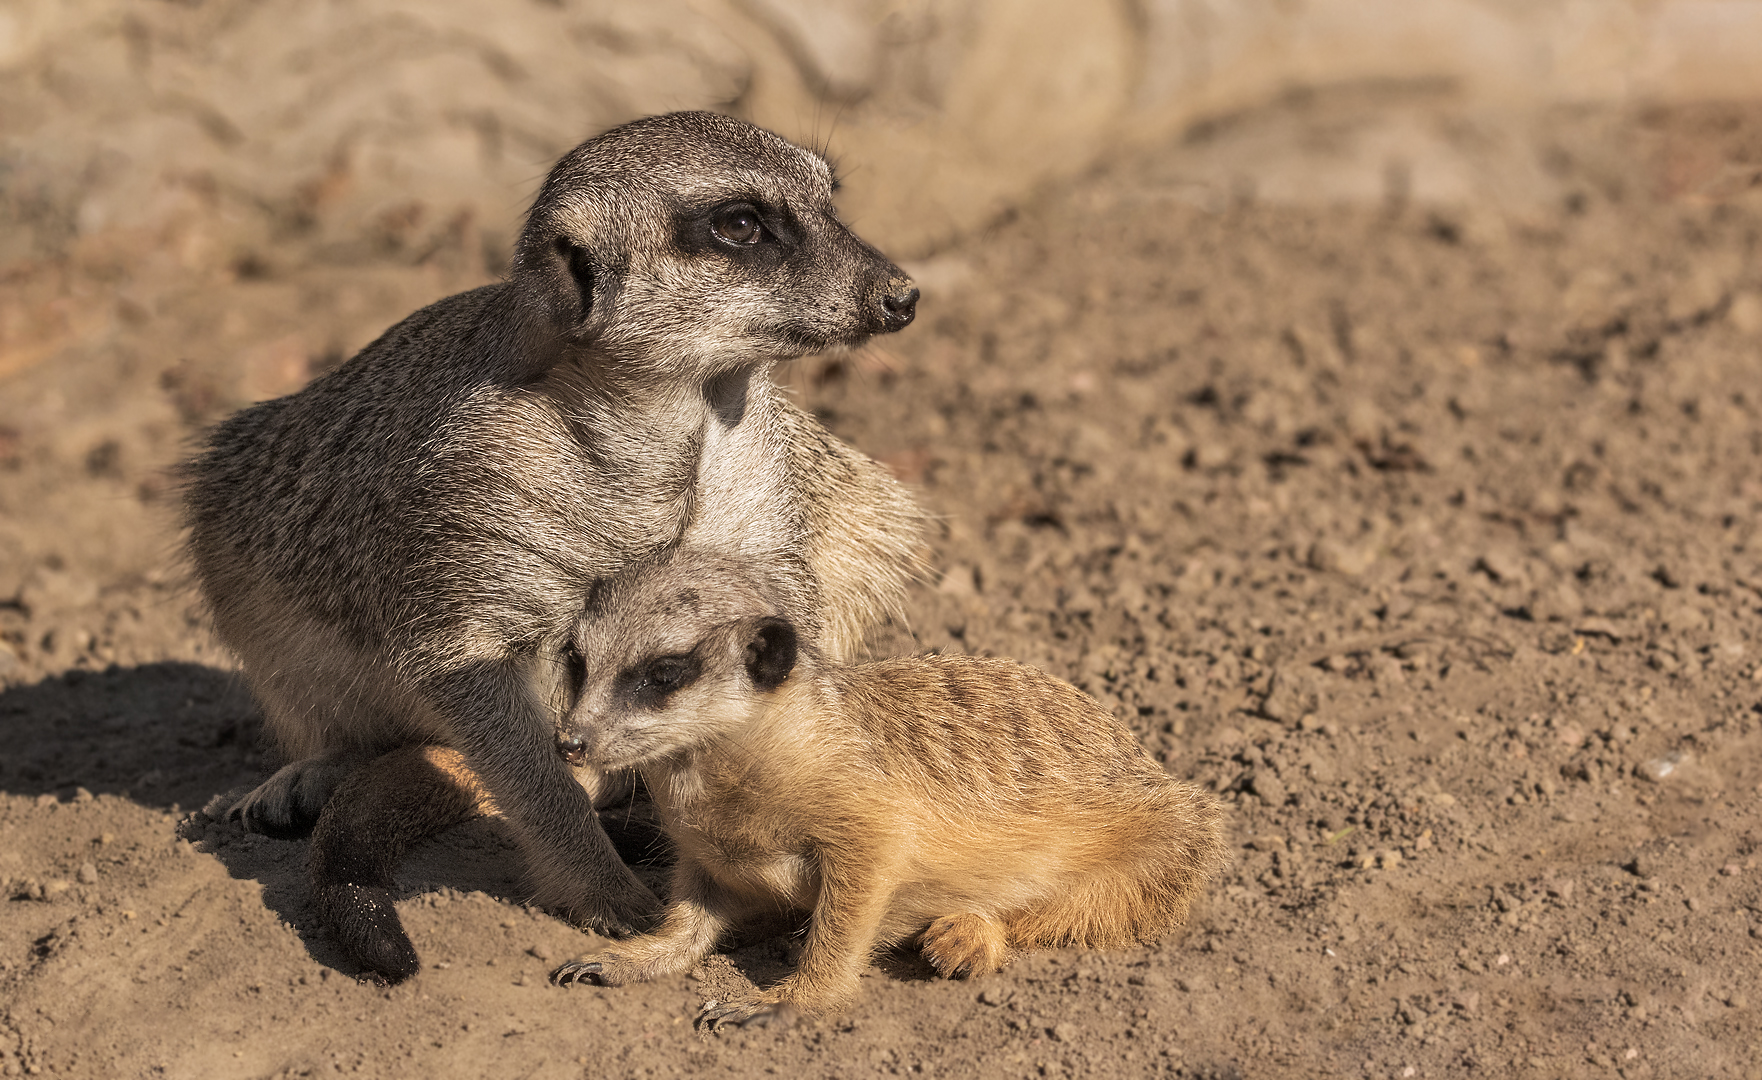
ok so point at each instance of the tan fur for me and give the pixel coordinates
(397, 552)
(975, 805)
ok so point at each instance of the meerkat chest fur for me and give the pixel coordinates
(757, 801)
(745, 501)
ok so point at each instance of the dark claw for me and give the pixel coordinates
(575, 971)
(716, 1015)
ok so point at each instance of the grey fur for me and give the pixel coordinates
(397, 552)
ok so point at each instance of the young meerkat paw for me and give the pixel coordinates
(763, 1010)
(601, 969)
(621, 969)
(960, 946)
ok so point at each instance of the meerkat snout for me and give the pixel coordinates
(899, 306)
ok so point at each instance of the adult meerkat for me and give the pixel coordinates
(398, 552)
(976, 805)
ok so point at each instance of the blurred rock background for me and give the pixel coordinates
(144, 144)
(204, 202)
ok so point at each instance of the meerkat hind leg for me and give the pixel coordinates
(406, 796)
(959, 946)
(286, 806)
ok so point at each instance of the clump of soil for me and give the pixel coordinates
(1426, 536)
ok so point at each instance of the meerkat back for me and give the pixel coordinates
(1032, 802)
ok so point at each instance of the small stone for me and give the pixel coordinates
(1333, 557)
(1745, 313)
(1208, 456)
(991, 995)
(1659, 769)
(1266, 784)
(1643, 865)
(540, 951)
(88, 874)
(1731, 869)
(1504, 566)
(1295, 692)
(1065, 1033)
(1738, 1001)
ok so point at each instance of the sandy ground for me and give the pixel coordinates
(1426, 535)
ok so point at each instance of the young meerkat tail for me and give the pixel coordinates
(401, 798)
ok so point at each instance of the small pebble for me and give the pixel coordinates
(1064, 1033)
(991, 995)
(539, 951)
(88, 874)
(1659, 769)
(1268, 787)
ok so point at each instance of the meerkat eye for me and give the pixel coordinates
(737, 223)
(648, 685)
(668, 673)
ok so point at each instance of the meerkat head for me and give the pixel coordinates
(697, 244)
(668, 656)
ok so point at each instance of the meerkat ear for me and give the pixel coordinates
(579, 264)
(770, 653)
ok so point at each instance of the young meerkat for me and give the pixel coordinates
(397, 553)
(978, 806)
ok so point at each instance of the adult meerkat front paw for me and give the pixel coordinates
(623, 915)
(286, 806)
(746, 1012)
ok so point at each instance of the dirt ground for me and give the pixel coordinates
(1424, 531)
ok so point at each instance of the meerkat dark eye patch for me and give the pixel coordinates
(648, 685)
(744, 230)
(770, 654)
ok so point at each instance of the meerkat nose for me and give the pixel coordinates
(898, 308)
(573, 748)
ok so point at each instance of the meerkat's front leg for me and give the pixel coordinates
(696, 919)
(847, 921)
(510, 745)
